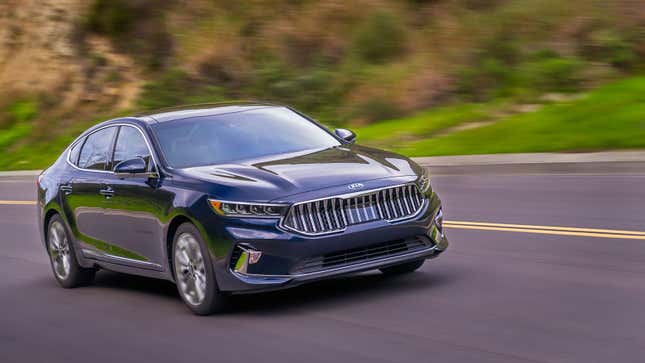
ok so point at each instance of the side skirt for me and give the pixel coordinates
(126, 265)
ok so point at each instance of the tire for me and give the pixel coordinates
(62, 256)
(194, 274)
(403, 268)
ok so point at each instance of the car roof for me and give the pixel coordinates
(208, 109)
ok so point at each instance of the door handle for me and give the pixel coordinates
(108, 192)
(66, 188)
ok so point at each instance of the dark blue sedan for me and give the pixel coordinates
(233, 198)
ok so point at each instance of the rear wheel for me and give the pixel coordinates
(403, 268)
(62, 256)
(194, 273)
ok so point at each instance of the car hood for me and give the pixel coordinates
(280, 176)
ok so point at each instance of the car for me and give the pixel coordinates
(233, 198)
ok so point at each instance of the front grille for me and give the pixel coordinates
(334, 214)
(363, 254)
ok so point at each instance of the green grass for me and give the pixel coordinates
(25, 152)
(18, 116)
(423, 124)
(611, 117)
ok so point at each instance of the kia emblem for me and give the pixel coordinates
(355, 186)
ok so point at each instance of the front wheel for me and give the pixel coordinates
(62, 256)
(194, 273)
(403, 268)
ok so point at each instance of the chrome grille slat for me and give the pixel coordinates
(411, 198)
(408, 207)
(348, 211)
(296, 220)
(324, 215)
(378, 205)
(335, 213)
(386, 205)
(417, 196)
(357, 210)
(300, 210)
(333, 208)
(398, 200)
(311, 218)
(317, 215)
(342, 211)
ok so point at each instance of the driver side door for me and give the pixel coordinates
(137, 205)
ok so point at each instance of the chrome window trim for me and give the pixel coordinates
(83, 137)
(346, 196)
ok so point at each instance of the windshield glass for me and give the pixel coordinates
(218, 139)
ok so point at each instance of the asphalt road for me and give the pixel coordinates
(499, 294)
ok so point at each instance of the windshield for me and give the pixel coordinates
(218, 139)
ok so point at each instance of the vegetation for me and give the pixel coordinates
(420, 77)
(612, 117)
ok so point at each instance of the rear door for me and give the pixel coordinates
(82, 196)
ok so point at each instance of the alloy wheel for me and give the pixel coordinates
(59, 250)
(190, 269)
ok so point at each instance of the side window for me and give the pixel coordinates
(130, 144)
(76, 149)
(96, 150)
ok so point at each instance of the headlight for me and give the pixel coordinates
(253, 210)
(424, 182)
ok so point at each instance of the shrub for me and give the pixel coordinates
(549, 72)
(479, 83)
(380, 38)
(175, 87)
(607, 45)
(135, 27)
(311, 90)
(374, 108)
(110, 17)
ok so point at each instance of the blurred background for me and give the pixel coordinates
(433, 77)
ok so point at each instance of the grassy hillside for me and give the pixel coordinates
(436, 69)
(611, 117)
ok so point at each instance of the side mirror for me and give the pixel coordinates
(130, 167)
(346, 135)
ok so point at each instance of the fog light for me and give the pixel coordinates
(254, 256)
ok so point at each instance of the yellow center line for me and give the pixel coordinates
(18, 202)
(546, 231)
(550, 228)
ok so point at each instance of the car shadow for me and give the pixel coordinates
(146, 285)
(344, 289)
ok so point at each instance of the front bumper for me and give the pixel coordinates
(287, 257)
(273, 282)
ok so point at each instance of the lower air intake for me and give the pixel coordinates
(363, 254)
